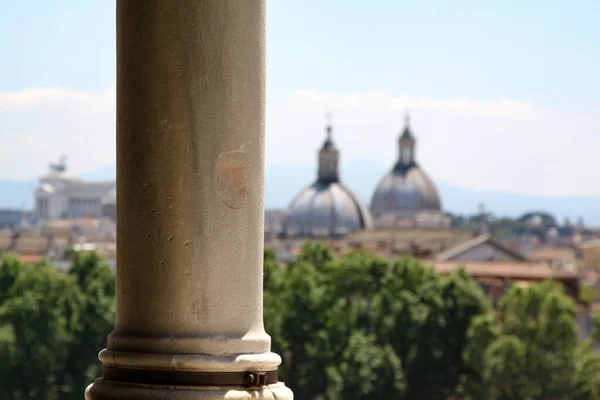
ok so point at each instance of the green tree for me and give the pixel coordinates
(364, 370)
(430, 326)
(475, 383)
(536, 353)
(595, 333)
(588, 295)
(96, 281)
(366, 365)
(586, 376)
(274, 290)
(38, 315)
(357, 327)
(52, 325)
(303, 298)
(360, 327)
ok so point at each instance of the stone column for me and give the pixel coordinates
(190, 205)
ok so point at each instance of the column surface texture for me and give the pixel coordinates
(190, 204)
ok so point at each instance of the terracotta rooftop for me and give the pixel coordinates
(509, 270)
(29, 258)
(461, 248)
(553, 253)
(31, 244)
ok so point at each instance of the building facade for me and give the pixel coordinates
(62, 195)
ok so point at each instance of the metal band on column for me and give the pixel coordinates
(184, 378)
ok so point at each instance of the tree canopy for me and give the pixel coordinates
(52, 326)
(360, 327)
(355, 327)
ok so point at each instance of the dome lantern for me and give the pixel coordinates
(327, 208)
(406, 192)
(406, 144)
(328, 157)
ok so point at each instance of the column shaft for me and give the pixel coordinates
(190, 201)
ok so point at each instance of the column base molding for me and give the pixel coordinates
(260, 362)
(103, 389)
(141, 376)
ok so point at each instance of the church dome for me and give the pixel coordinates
(327, 208)
(406, 189)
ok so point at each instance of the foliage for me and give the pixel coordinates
(52, 325)
(356, 327)
(97, 283)
(535, 352)
(508, 228)
(596, 326)
(359, 327)
(588, 294)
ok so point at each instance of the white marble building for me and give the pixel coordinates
(61, 195)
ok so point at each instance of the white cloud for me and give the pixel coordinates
(379, 101)
(34, 96)
(38, 125)
(504, 145)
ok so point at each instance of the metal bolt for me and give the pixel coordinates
(251, 378)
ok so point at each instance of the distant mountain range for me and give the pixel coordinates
(17, 194)
(284, 181)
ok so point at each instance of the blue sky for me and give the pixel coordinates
(58, 43)
(486, 81)
(546, 51)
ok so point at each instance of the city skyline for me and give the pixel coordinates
(509, 108)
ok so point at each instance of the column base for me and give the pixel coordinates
(103, 389)
(191, 361)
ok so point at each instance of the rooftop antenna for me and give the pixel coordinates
(483, 226)
(329, 122)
